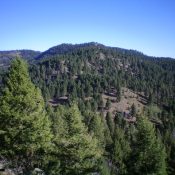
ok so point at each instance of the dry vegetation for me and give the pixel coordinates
(128, 98)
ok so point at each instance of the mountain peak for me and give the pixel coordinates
(67, 47)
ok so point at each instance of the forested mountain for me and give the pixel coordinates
(102, 110)
(65, 48)
(7, 56)
(106, 66)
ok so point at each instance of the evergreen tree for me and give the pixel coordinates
(96, 128)
(121, 151)
(150, 99)
(57, 94)
(108, 104)
(118, 93)
(46, 93)
(110, 123)
(105, 169)
(77, 151)
(24, 125)
(133, 110)
(88, 105)
(63, 90)
(94, 105)
(100, 102)
(149, 154)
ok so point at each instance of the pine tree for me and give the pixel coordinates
(77, 151)
(150, 99)
(100, 102)
(121, 151)
(94, 105)
(23, 121)
(97, 128)
(118, 93)
(149, 153)
(110, 123)
(105, 169)
(108, 104)
(133, 110)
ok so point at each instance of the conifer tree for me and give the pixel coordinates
(110, 123)
(121, 151)
(118, 93)
(133, 110)
(25, 128)
(97, 128)
(77, 151)
(149, 154)
(108, 104)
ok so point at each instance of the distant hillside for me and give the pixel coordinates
(66, 48)
(95, 67)
(7, 56)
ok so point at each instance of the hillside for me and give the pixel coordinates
(102, 69)
(116, 96)
(98, 66)
(93, 57)
(7, 56)
(66, 48)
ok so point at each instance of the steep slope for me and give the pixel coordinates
(99, 69)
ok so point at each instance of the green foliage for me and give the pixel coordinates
(150, 99)
(77, 151)
(121, 151)
(23, 120)
(110, 123)
(108, 104)
(153, 110)
(105, 169)
(97, 128)
(133, 110)
(118, 93)
(84, 73)
(149, 153)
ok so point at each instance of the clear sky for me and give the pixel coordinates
(144, 25)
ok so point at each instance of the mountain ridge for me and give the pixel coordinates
(68, 47)
(7, 56)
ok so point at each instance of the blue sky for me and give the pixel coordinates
(144, 25)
